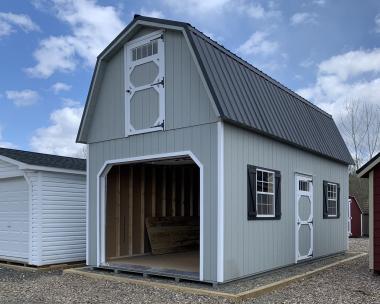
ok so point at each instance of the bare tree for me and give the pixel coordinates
(354, 130)
(372, 128)
(84, 152)
(360, 126)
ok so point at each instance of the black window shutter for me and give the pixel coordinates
(337, 200)
(278, 195)
(251, 192)
(325, 214)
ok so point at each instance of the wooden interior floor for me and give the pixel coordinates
(184, 261)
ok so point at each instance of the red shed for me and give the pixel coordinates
(354, 218)
(371, 170)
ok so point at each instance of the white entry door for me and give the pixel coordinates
(14, 219)
(304, 217)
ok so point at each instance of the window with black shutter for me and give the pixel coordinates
(263, 193)
(331, 200)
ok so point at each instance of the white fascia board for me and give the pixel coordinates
(11, 161)
(369, 168)
(51, 169)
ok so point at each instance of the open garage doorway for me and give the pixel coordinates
(152, 217)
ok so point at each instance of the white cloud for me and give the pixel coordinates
(354, 75)
(92, 27)
(307, 63)
(377, 23)
(202, 8)
(303, 18)
(69, 102)
(59, 137)
(8, 22)
(3, 143)
(319, 2)
(152, 13)
(22, 98)
(258, 43)
(257, 11)
(60, 87)
(194, 7)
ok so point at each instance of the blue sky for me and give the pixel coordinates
(325, 50)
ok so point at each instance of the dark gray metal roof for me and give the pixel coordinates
(45, 160)
(248, 98)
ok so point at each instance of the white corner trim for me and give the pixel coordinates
(30, 217)
(87, 205)
(220, 240)
(100, 198)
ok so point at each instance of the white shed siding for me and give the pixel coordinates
(63, 217)
(58, 217)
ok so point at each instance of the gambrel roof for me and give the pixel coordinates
(44, 160)
(245, 96)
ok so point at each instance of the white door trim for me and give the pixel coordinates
(349, 217)
(298, 221)
(101, 190)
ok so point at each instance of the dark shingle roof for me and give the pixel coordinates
(45, 160)
(363, 205)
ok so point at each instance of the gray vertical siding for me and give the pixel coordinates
(186, 100)
(201, 140)
(108, 117)
(255, 246)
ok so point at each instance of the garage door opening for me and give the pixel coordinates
(153, 217)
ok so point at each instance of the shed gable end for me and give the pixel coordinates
(186, 102)
(9, 170)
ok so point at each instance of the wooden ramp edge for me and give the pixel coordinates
(252, 293)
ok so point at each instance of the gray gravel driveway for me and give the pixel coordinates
(347, 283)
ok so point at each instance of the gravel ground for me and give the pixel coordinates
(347, 283)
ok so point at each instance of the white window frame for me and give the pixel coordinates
(332, 199)
(129, 89)
(266, 193)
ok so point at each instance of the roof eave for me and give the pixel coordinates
(25, 166)
(364, 170)
(284, 141)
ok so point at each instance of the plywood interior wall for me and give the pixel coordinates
(139, 191)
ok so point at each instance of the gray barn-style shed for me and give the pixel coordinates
(201, 166)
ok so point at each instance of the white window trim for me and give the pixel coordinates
(267, 193)
(331, 199)
(160, 59)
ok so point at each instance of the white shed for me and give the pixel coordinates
(42, 208)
